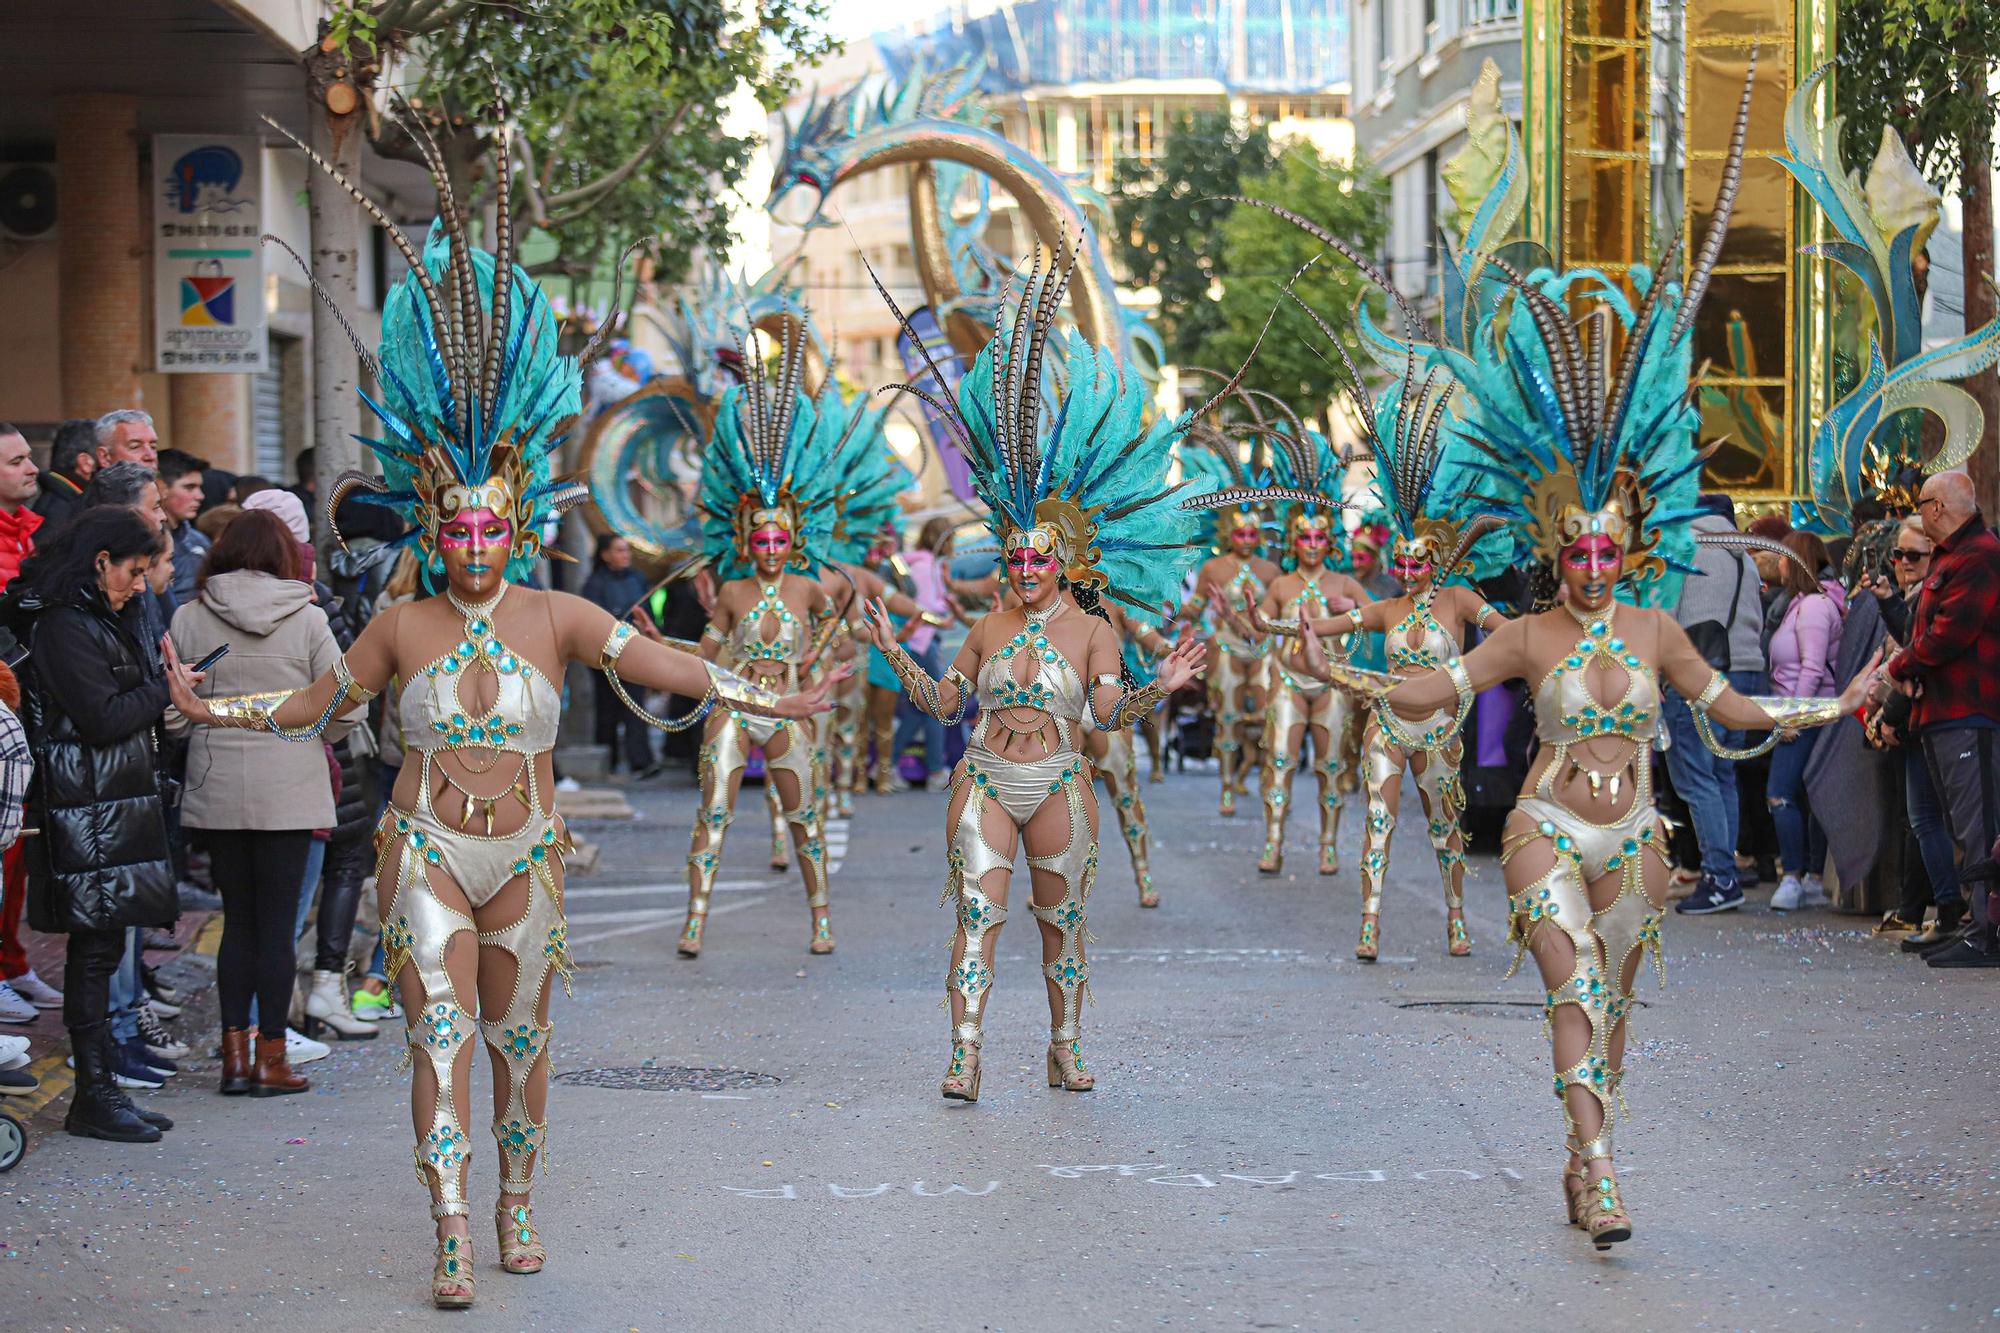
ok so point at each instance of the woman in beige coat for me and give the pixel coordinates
(256, 798)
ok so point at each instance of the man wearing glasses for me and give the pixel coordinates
(1951, 669)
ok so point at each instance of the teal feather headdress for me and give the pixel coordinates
(1075, 471)
(780, 457)
(474, 395)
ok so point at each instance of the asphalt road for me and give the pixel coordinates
(1282, 1138)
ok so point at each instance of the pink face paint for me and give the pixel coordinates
(1311, 540)
(770, 540)
(1595, 556)
(1412, 571)
(1026, 560)
(474, 530)
(1245, 537)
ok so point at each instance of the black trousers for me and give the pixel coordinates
(92, 957)
(616, 723)
(1965, 764)
(258, 872)
(348, 861)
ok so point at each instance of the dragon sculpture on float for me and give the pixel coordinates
(929, 121)
(635, 451)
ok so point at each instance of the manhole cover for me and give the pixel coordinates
(668, 1078)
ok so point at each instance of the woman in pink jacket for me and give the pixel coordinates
(1802, 654)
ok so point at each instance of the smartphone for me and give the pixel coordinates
(211, 659)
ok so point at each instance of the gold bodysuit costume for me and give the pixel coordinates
(1437, 785)
(725, 754)
(1020, 788)
(1240, 664)
(1568, 713)
(417, 926)
(1293, 700)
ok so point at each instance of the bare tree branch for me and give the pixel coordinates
(578, 201)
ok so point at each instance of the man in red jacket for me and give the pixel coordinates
(21, 991)
(1952, 669)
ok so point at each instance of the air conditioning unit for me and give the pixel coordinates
(27, 201)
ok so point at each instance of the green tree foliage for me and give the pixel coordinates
(1265, 251)
(1169, 212)
(618, 107)
(1921, 68)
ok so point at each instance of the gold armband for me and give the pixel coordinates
(1792, 716)
(710, 634)
(1702, 702)
(1483, 614)
(1360, 681)
(614, 645)
(740, 695)
(257, 712)
(934, 619)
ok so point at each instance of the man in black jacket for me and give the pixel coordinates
(72, 459)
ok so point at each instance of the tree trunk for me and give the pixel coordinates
(336, 236)
(1976, 193)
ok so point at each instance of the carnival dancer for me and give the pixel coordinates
(1082, 508)
(1114, 754)
(1239, 574)
(1600, 473)
(470, 849)
(1300, 709)
(770, 485)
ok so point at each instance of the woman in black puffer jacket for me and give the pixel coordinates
(92, 702)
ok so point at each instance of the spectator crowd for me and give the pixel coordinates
(119, 822)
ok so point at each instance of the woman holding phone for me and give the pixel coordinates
(256, 797)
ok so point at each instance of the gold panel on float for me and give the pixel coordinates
(1715, 88)
(1605, 226)
(1740, 328)
(1760, 226)
(1740, 18)
(1619, 19)
(1749, 419)
(1607, 99)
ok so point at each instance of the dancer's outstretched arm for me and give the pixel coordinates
(942, 699)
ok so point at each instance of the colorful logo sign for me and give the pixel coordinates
(208, 300)
(204, 179)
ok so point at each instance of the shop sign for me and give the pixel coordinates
(208, 267)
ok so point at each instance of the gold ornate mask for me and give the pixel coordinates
(1561, 519)
(1063, 530)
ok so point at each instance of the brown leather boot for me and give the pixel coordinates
(235, 1062)
(274, 1076)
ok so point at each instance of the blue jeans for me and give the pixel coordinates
(1926, 814)
(128, 989)
(1707, 782)
(1801, 841)
(913, 720)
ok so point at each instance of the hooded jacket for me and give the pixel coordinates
(92, 701)
(278, 640)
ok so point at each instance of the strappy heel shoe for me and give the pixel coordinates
(1148, 895)
(1367, 949)
(1329, 859)
(1576, 1193)
(959, 1084)
(690, 945)
(520, 1248)
(822, 937)
(451, 1276)
(1228, 806)
(1604, 1215)
(1066, 1069)
(1458, 941)
(1272, 862)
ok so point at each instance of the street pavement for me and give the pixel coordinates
(1281, 1137)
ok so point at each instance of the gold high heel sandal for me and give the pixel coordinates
(1604, 1212)
(451, 1275)
(1066, 1069)
(1458, 942)
(822, 937)
(1329, 859)
(690, 945)
(1576, 1189)
(1368, 948)
(520, 1248)
(958, 1087)
(1148, 895)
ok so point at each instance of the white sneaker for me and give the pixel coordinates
(938, 781)
(303, 1050)
(161, 1009)
(568, 784)
(14, 1008)
(36, 991)
(1786, 897)
(1812, 892)
(13, 1048)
